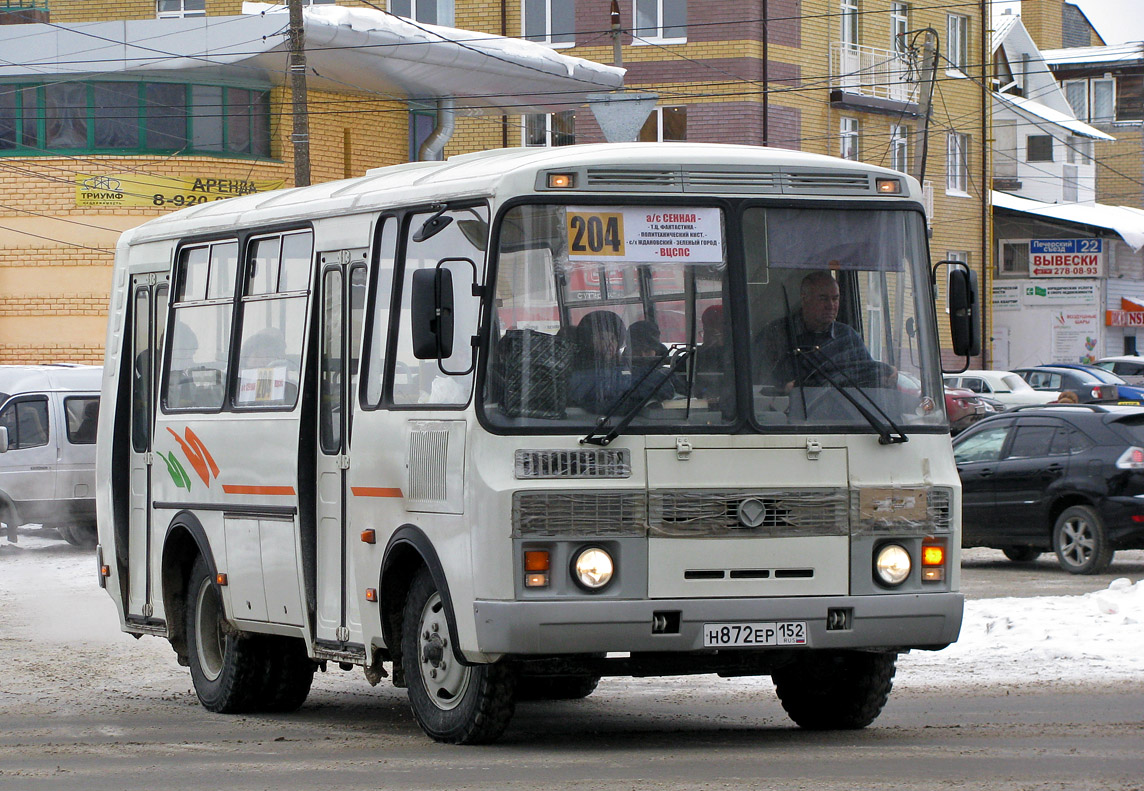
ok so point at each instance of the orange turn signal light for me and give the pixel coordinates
(105, 570)
(369, 536)
(933, 555)
(371, 594)
(220, 578)
(536, 560)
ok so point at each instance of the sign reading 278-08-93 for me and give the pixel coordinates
(1066, 257)
(645, 234)
(136, 189)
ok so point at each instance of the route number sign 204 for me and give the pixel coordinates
(749, 635)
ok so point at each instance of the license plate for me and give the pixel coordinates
(749, 635)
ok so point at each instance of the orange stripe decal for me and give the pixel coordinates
(375, 491)
(231, 488)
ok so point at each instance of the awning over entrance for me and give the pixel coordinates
(351, 50)
(1128, 223)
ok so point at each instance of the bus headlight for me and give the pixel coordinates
(593, 568)
(892, 564)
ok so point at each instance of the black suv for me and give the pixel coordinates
(1066, 477)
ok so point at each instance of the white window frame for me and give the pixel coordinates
(957, 41)
(849, 138)
(1093, 83)
(547, 36)
(1070, 184)
(899, 24)
(444, 8)
(1081, 95)
(181, 13)
(848, 23)
(657, 114)
(957, 164)
(654, 34)
(548, 133)
(900, 148)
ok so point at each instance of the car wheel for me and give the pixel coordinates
(1081, 542)
(1022, 554)
(835, 690)
(82, 536)
(453, 702)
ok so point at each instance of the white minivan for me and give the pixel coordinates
(48, 415)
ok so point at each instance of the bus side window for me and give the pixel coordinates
(454, 240)
(378, 309)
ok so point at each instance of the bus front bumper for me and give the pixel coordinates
(883, 622)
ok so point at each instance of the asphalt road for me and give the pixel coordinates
(106, 712)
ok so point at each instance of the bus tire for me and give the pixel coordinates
(555, 687)
(226, 665)
(835, 690)
(289, 672)
(452, 702)
(82, 536)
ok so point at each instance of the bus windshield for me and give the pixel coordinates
(808, 316)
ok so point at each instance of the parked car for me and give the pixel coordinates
(1005, 387)
(1064, 477)
(1129, 368)
(1126, 393)
(964, 408)
(48, 416)
(1088, 386)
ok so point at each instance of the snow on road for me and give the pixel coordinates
(50, 598)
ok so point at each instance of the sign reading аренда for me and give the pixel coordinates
(645, 234)
(136, 189)
(1066, 257)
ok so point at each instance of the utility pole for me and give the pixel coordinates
(766, 73)
(925, 100)
(301, 134)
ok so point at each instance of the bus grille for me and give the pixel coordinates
(572, 513)
(601, 463)
(938, 519)
(808, 512)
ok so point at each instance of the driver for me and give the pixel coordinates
(819, 339)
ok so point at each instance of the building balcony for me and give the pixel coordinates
(870, 79)
(22, 12)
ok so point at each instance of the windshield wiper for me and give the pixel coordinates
(885, 437)
(597, 436)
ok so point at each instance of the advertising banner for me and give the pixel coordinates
(1066, 257)
(137, 189)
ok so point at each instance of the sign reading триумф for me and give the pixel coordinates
(1066, 257)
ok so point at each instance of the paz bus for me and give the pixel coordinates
(498, 426)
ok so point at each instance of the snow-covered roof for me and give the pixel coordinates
(1122, 54)
(1002, 25)
(1046, 113)
(1125, 221)
(355, 50)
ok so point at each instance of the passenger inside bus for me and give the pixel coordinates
(712, 356)
(599, 379)
(811, 346)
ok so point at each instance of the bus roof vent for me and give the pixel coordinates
(632, 179)
(731, 181)
(591, 463)
(826, 182)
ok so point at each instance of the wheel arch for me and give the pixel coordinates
(185, 540)
(1064, 502)
(409, 549)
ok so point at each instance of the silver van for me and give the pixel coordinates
(48, 415)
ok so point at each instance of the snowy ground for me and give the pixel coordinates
(50, 597)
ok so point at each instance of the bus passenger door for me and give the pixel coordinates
(149, 311)
(342, 304)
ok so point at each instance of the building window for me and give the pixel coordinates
(178, 9)
(1093, 100)
(550, 21)
(848, 23)
(848, 139)
(1014, 258)
(957, 40)
(899, 148)
(665, 124)
(1005, 149)
(1039, 148)
(957, 164)
(431, 12)
(422, 122)
(550, 129)
(899, 26)
(1071, 184)
(134, 117)
(660, 21)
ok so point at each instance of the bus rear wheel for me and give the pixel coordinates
(452, 702)
(226, 665)
(835, 690)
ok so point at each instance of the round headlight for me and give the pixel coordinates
(593, 568)
(892, 564)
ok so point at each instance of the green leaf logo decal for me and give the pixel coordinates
(176, 470)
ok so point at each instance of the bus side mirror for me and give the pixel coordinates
(3, 439)
(964, 325)
(431, 306)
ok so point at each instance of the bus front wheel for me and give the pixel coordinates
(835, 690)
(225, 664)
(452, 702)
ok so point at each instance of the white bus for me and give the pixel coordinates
(498, 426)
